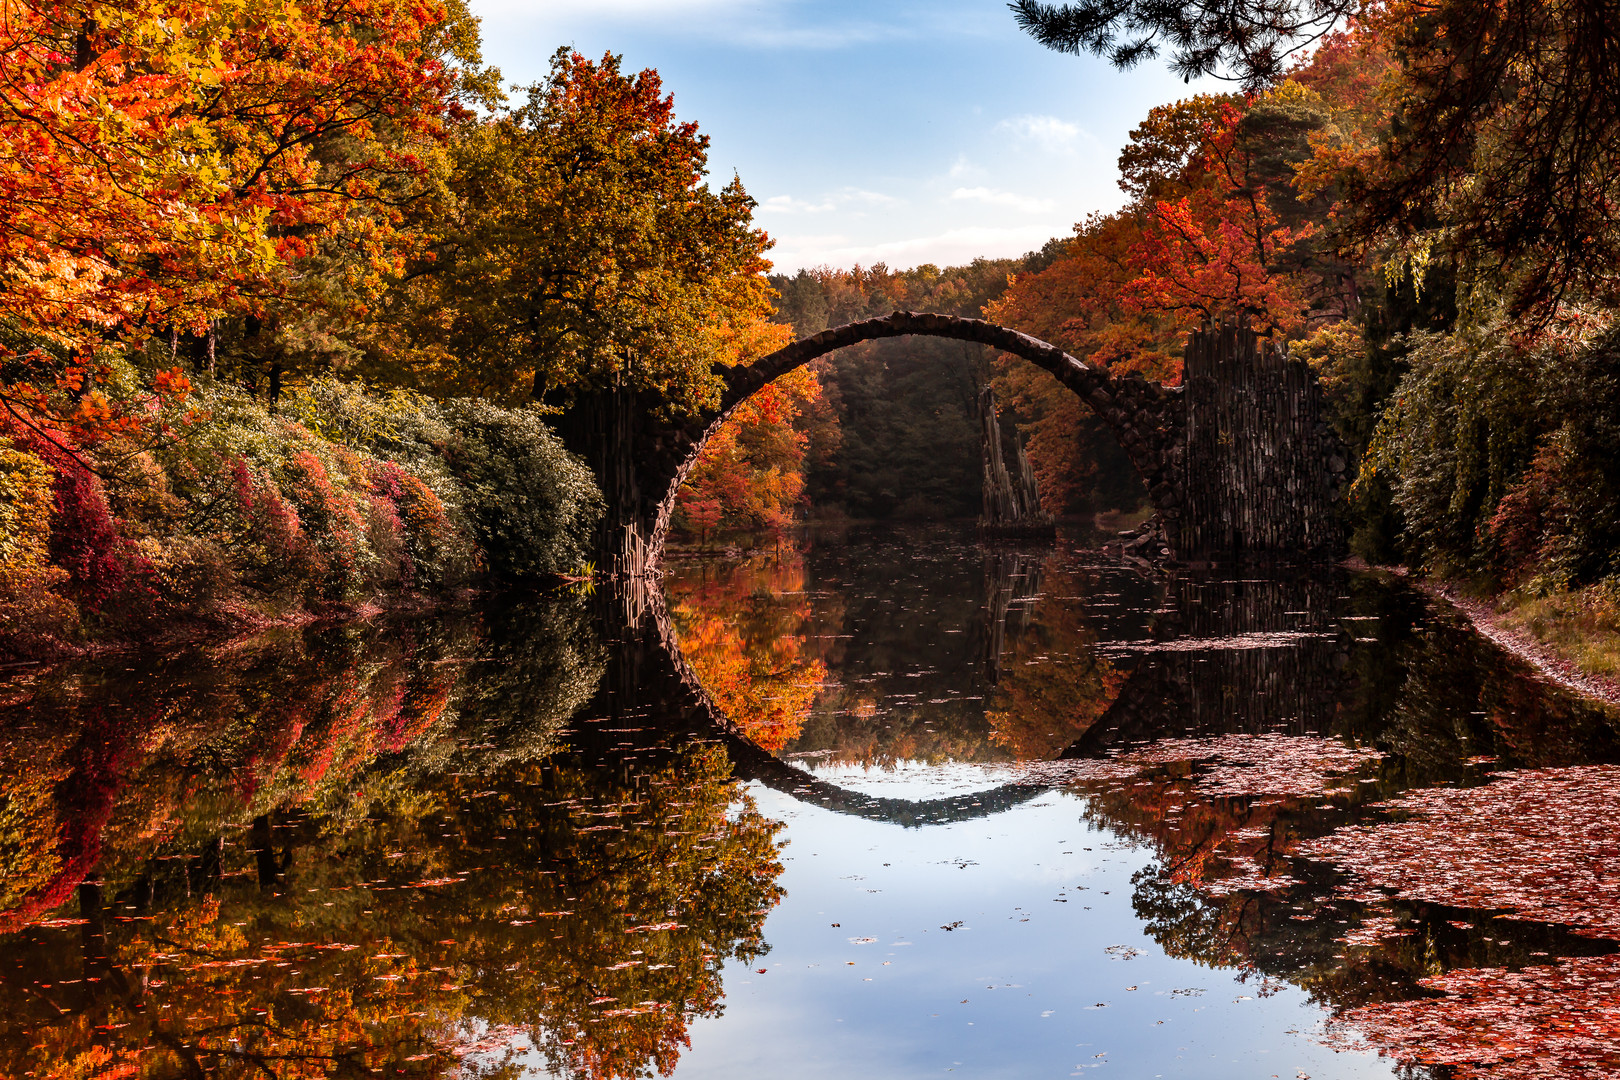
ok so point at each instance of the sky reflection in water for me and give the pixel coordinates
(490, 844)
(1049, 972)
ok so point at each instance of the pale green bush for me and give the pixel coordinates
(532, 504)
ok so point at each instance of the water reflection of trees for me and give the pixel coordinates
(920, 655)
(749, 634)
(1051, 682)
(112, 761)
(342, 852)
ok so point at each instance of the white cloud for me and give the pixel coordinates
(857, 196)
(759, 24)
(852, 199)
(992, 197)
(787, 204)
(1048, 132)
(951, 248)
(964, 169)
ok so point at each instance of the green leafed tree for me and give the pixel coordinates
(586, 252)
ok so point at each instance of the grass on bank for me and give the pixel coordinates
(1582, 625)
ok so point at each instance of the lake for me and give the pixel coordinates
(897, 804)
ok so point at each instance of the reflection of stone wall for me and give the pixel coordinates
(1010, 578)
(1202, 607)
(1232, 656)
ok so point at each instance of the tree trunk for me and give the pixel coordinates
(202, 349)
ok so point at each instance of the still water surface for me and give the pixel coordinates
(897, 805)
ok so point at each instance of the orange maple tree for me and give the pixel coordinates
(163, 165)
(750, 475)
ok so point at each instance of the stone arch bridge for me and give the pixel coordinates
(1237, 461)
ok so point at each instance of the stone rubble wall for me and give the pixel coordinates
(1263, 471)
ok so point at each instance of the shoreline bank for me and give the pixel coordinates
(225, 634)
(1550, 662)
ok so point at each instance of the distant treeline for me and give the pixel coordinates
(905, 411)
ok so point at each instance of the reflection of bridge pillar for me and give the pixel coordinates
(1010, 578)
(1232, 657)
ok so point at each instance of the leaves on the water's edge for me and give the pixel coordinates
(1538, 1023)
(1539, 844)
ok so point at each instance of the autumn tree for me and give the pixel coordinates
(585, 253)
(174, 167)
(750, 475)
(1219, 226)
(1504, 154)
(1076, 303)
(586, 264)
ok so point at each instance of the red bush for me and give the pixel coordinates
(86, 539)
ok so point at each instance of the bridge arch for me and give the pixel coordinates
(1148, 419)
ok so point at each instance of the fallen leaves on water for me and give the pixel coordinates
(1539, 844)
(1233, 765)
(1243, 873)
(1376, 928)
(1535, 1024)
(1219, 810)
(1246, 765)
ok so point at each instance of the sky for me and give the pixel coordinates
(894, 131)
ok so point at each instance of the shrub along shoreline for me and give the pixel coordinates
(228, 515)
